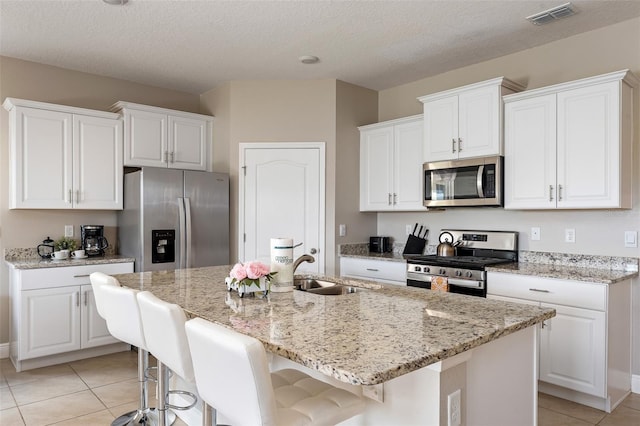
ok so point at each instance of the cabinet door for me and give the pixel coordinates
(530, 153)
(145, 138)
(376, 169)
(573, 350)
(93, 331)
(97, 171)
(188, 141)
(41, 151)
(441, 129)
(407, 164)
(50, 321)
(479, 123)
(589, 147)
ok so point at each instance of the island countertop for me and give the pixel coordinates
(364, 338)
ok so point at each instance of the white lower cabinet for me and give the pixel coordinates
(585, 350)
(54, 316)
(384, 271)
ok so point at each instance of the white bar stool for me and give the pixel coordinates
(232, 376)
(119, 308)
(163, 325)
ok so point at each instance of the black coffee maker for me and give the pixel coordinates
(93, 241)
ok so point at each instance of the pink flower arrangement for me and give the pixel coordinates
(250, 273)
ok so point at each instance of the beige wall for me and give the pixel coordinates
(29, 80)
(597, 232)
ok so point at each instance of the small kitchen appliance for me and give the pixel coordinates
(46, 249)
(379, 245)
(468, 182)
(465, 269)
(93, 241)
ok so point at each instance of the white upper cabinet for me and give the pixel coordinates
(160, 137)
(569, 146)
(465, 122)
(63, 157)
(391, 157)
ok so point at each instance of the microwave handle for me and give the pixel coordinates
(479, 181)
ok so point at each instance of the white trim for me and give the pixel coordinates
(498, 81)
(635, 383)
(321, 256)
(11, 103)
(121, 106)
(4, 350)
(392, 122)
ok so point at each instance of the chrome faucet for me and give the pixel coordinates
(303, 258)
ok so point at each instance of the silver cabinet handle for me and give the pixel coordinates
(166, 157)
(389, 197)
(550, 192)
(559, 192)
(373, 269)
(539, 290)
(80, 276)
(78, 298)
(77, 196)
(395, 198)
(459, 144)
(313, 251)
(86, 298)
(453, 146)
(70, 197)
(173, 156)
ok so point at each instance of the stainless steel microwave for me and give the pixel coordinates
(469, 182)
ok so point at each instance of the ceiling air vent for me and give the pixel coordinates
(553, 14)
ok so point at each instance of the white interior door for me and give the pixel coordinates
(282, 196)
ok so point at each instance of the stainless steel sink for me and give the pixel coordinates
(306, 284)
(336, 290)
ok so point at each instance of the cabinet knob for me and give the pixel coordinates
(313, 251)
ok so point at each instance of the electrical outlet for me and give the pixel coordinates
(342, 230)
(68, 231)
(535, 234)
(454, 409)
(569, 235)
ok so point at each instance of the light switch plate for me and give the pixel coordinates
(631, 238)
(68, 231)
(570, 235)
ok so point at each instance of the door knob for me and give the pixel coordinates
(313, 251)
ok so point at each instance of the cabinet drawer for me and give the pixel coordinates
(376, 270)
(548, 290)
(31, 279)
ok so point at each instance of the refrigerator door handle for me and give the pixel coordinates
(188, 239)
(181, 211)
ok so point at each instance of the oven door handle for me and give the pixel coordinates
(479, 181)
(452, 281)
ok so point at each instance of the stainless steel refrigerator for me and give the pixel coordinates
(174, 219)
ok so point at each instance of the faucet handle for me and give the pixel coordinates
(313, 251)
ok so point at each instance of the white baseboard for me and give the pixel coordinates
(4, 350)
(635, 383)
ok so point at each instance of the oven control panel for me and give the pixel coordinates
(443, 271)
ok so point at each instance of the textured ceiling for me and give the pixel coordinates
(194, 46)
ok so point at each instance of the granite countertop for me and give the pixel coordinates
(35, 263)
(565, 272)
(365, 338)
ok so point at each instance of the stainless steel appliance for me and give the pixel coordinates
(465, 270)
(174, 219)
(379, 244)
(93, 241)
(470, 182)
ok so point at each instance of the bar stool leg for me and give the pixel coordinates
(144, 415)
(209, 415)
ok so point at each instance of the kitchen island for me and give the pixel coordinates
(406, 348)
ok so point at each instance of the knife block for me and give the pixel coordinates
(414, 245)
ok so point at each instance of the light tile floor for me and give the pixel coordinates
(94, 391)
(88, 392)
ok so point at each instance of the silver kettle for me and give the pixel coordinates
(446, 248)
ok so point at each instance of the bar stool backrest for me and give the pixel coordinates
(232, 373)
(163, 325)
(97, 279)
(121, 312)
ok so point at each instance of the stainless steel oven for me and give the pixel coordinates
(470, 182)
(465, 271)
